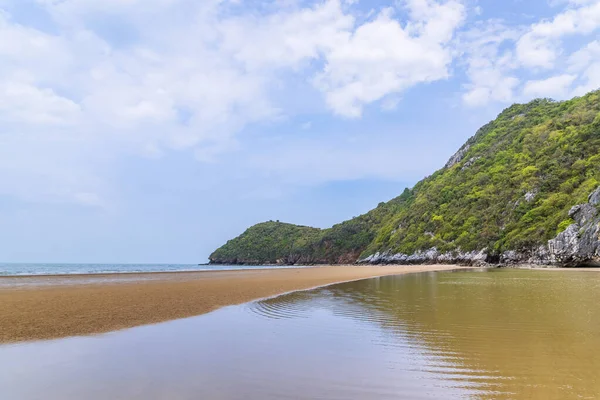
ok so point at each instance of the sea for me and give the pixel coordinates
(43, 269)
(477, 334)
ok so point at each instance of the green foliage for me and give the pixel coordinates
(512, 190)
(276, 242)
(564, 225)
(267, 243)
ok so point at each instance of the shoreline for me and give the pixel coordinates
(182, 271)
(55, 306)
(244, 267)
(142, 273)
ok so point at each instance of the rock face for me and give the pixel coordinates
(530, 196)
(458, 156)
(469, 163)
(462, 152)
(431, 256)
(579, 244)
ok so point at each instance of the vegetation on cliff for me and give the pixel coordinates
(510, 187)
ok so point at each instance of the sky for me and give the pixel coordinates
(152, 131)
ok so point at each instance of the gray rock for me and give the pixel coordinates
(583, 213)
(458, 156)
(529, 196)
(566, 244)
(594, 198)
(432, 256)
(579, 244)
(536, 256)
(469, 163)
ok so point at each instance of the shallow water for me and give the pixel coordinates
(33, 269)
(500, 334)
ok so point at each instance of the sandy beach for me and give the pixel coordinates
(34, 308)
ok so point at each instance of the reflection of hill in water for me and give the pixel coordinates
(512, 334)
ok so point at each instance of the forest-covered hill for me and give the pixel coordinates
(502, 197)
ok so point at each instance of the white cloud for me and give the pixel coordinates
(363, 63)
(489, 67)
(435, 21)
(556, 87)
(218, 68)
(536, 51)
(22, 102)
(586, 63)
(151, 76)
(286, 39)
(507, 64)
(540, 46)
(587, 55)
(498, 89)
(381, 57)
(27, 49)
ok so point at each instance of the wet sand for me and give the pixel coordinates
(34, 308)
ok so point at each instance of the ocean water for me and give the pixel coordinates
(499, 334)
(33, 269)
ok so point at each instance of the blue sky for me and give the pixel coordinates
(155, 130)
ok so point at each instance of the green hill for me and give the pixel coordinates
(501, 197)
(268, 243)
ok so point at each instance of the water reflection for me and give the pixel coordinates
(489, 335)
(505, 334)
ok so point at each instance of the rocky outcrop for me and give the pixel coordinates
(462, 152)
(430, 256)
(469, 163)
(579, 244)
(458, 156)
(530, 196)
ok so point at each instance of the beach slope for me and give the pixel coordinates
(33, 308)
